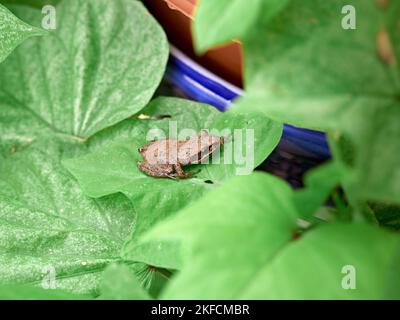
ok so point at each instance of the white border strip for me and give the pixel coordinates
(194, 65)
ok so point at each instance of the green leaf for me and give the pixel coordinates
(375, 168)
(19, 127)
(19, 292)
(324, 252)
(321, 86)
(228, 235)
(13, 32)
(48, 224)
(34, 3)
(245, 250)
(115, 58)
(319, 182)
(338, 81)
(393, 280)
(112, 167)
(217, 22)
(101, 65)
(154, 202)
(120, 283)
(220, 21)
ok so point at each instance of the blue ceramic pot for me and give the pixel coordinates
(201, 85)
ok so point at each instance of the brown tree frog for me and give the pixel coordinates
(166, 157)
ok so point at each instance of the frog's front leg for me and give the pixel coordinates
(180, 173)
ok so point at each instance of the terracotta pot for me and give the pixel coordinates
(176, 17)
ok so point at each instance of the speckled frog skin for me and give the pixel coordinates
(165, 158)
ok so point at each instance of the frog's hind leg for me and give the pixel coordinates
(146, 169)
(157, 171)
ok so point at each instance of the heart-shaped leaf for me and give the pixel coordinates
(246, 249)
(220, 21)
(352, 261)
(102, 64)
(13, 32)
(50, 229)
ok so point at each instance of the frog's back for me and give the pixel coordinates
(198, 148)
(162, 152)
